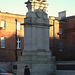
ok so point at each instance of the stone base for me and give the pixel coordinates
(39, 63)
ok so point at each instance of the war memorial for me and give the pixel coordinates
(36, 54)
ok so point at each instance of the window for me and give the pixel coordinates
(18, 43)
(60, 30)
(3, 24)
(18, 26)
(2, 42)
(14, 66)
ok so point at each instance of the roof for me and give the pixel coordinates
(70, 17)
(53, 18)
(65, 18)
(11, 13)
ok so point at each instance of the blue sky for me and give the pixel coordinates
(55, 6)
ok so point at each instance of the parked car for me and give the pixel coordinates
(4, 72)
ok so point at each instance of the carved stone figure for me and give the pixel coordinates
(26, 71)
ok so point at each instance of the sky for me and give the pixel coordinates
(54, 6)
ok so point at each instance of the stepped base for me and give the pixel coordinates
(39, 64)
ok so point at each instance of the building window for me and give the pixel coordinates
(18, 26)
(60, 30)
(3, 24)
(14, 66)
(2, 42)
(18, 43)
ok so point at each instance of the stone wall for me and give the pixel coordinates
(65, 68)
(65, 72)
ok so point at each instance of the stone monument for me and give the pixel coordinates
(36, 54)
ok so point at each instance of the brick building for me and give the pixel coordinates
(53, 35)
(11, 36)
(67, 36)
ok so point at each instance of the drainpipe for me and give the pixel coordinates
(16, 40)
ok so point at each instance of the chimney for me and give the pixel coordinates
(62, 15)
